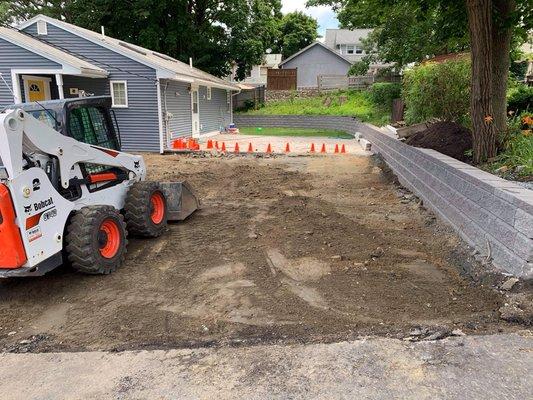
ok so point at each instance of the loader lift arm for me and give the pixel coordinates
(23, 134)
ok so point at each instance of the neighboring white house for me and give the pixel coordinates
(258, 74)
(348, 43)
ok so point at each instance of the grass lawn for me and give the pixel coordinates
(303, 132)
(358, 104)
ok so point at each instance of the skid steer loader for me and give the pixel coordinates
(67, 191)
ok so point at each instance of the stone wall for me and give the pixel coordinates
(276, 95)
(491, 214)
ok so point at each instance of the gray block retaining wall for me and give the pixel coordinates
(493, 215)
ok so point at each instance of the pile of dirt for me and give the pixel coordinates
(447, 138)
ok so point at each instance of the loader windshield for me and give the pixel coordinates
(90, 125)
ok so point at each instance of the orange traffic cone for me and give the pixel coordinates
(250, 148)
(216, 144)
(223, 146)
(209, 144)
(343, 149)
(236, 147)
(287, 148)
(323, 149)
(269, 148)
(313, 148)
(336, 149)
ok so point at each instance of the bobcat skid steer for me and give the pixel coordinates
(66, 190)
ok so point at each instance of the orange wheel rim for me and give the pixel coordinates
(109, 238)
(158, 208)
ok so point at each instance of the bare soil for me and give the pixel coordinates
(284, 249)
(447, 138)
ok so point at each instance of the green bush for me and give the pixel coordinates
(438, 91)
(520, 99)
(359, 68)
(383, 93)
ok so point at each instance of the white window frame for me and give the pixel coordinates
(209, 94)
(113, 94)
(42, 28)
(358, 50)
(350, 47)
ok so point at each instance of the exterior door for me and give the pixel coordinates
(195, 112)
(36, 88)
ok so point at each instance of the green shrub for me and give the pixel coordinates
(359, 68)
(517, 148)
(383, 93)
(438, 91)
(520, 98)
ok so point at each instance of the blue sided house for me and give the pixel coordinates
(156, 98)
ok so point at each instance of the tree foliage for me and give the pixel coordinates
(214, 33)
(297, 31)
(405, 31)
(359, 68)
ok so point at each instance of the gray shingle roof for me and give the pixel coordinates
(138, 53)
(345, 36)
(50, 52)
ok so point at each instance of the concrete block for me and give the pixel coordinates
(524, 223)
(523, 247)
(365, 144)
(505, 259)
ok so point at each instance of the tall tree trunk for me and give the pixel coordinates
(501, 42)
(481, 110)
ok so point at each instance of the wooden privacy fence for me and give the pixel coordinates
(281, 79)
(255, 96)
(329, 82)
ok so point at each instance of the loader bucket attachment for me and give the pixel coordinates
(181, 200)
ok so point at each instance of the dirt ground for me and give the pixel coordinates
(284, 249)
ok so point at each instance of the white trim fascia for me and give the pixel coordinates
(17, 92)
(160, 118)
(15, 72)
(51, 21)
(204, 82)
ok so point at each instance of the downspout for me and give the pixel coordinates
(231, 105)
(160, 117)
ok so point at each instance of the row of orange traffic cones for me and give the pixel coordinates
(189, 144)
(214, 145)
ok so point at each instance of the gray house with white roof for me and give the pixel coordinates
(155, 97)
(340, 50)
(347, 42)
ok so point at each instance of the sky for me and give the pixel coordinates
(325, 16)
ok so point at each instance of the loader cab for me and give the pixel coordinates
(89, 119)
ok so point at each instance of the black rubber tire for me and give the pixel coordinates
(82, 240)
(138, 210)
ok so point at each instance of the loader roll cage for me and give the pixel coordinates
(87, 119)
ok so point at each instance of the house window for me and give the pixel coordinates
(42, 28)
(358, 50)
(350, 49)
(208, 93)
(119, 94)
